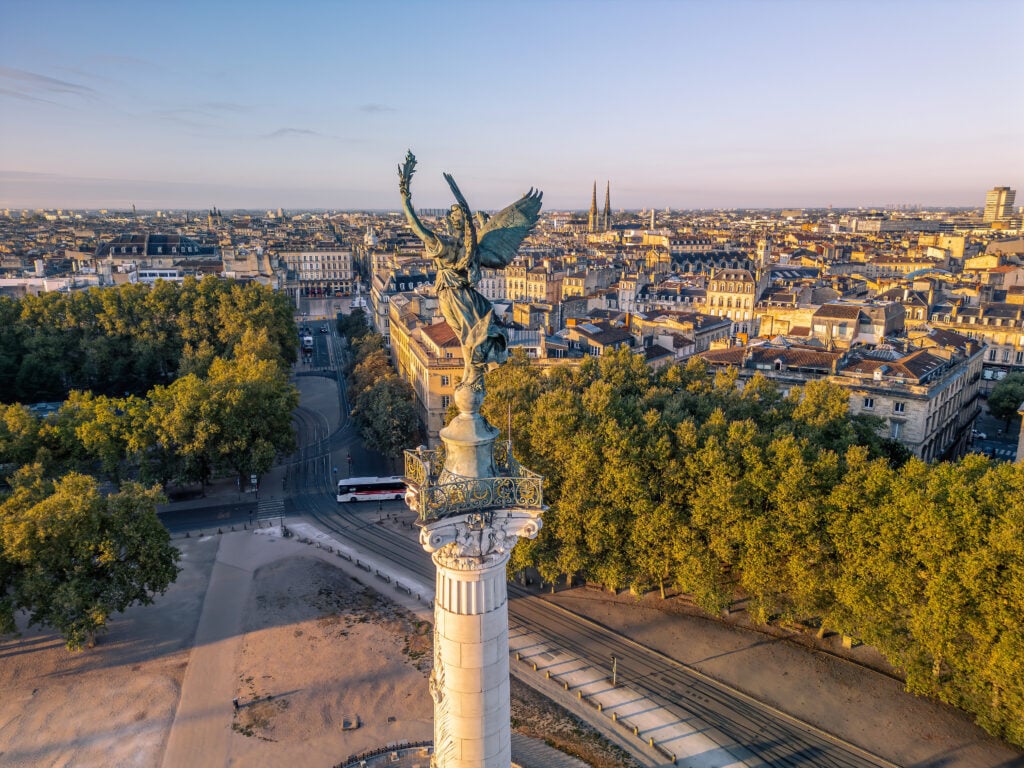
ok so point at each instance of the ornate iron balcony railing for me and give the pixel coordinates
(432, 499)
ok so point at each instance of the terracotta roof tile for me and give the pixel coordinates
(441, 334)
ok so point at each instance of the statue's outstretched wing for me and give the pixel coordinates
(499, 236)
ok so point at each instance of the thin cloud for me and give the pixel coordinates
(374, 109)
(284, 132)
(24, 96)
(29, 83)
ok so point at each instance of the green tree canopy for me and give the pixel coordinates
(127, 339)
(1006, 397)
(784, 505)
(71, 557)
(386, 417)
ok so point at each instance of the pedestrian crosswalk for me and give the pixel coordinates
(267, 509)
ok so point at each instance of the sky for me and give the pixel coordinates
(681, 104)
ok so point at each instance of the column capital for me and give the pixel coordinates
(478, 540)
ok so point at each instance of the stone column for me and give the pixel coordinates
(469, 682)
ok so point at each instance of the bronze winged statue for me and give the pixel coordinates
(490, 241)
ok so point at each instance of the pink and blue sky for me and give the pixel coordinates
(734, 103)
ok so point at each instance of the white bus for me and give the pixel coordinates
(370, 489)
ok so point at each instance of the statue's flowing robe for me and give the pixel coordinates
(465, 308)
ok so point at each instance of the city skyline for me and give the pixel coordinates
(682, 105)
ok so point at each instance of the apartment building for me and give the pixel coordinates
(425, 352)
(318, 272)
(926, 394)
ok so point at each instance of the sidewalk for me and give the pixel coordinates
(673, 737)
(200, 733)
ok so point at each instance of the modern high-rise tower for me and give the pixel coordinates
(999, 204)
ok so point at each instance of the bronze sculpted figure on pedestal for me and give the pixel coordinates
(469, 243)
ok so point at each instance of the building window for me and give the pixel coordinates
(445, 401)
(895, 428)
(992, 355)
(869, 403)
(899, 407)
(445, 381)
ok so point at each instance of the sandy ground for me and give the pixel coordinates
(112, 705)
(321, 649)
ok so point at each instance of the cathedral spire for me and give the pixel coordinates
(607, 219)
(592, 221)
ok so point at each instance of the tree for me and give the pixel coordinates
(353, 326)
(1006, 397)
(374, 367)
(387, 418)
(72, 557)
(184, 426)
(252, 403)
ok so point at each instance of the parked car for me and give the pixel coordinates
(978, 435)
(324, 329)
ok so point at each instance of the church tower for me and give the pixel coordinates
(606, 220)
(592, 219)
(761, 262)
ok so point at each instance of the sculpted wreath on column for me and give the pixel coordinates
(458, 253)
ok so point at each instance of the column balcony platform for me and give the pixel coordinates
(434, 492)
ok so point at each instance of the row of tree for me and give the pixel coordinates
(680, 479)
(235, 418)
(177, 382)
(383, 405)
(126, 340)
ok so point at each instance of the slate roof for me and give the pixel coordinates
(838, 311)
(135, 244)
(611, 336)
(656, 352)
(792, 358)
(914, 367)
(942, 337)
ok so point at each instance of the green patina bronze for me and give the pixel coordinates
(469, 243)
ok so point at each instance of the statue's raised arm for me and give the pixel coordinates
(405, 172)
